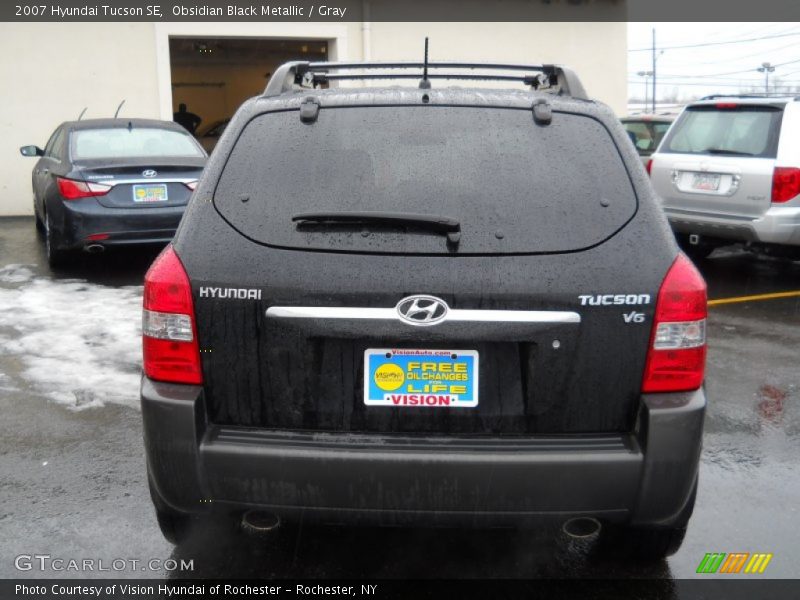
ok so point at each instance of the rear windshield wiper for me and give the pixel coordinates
(724, 151)
(438, 223)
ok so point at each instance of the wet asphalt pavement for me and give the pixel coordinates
(72, 472)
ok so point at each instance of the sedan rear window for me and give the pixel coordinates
(121, 142)
(743, 130)
(512, 186)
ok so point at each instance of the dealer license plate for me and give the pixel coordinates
(150, 192)
(405, 377)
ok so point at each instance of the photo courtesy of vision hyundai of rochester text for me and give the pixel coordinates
(426, 304)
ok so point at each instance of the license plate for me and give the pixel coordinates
(707, 182)
(151, 192)
(404, 378)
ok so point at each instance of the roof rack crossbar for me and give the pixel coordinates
(324, 77)
(290, 75)
(325, 66)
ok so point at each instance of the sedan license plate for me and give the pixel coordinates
(150, 192)
(413, 378)
(706, 182)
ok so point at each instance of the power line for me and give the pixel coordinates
(731, 59)
(702, 45)
(730, 30)
(707, 75)
(715, 85)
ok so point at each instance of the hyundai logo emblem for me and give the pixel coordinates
(149, 173)
(422, 310)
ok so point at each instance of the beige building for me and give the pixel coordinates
(52, 71)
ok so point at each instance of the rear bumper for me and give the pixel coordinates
(79, 220)
(643, 478)
(779, 225)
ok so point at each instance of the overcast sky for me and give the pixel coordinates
(727, 66)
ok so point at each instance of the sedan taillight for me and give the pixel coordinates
(71, 189)
(169, 343)
(676, 359)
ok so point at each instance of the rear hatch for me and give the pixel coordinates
(718, 159)
(291, 315)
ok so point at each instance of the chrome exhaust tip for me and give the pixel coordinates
(581, 528)
(260, 522)
(95, 248)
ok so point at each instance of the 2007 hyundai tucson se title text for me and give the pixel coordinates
(426, 305)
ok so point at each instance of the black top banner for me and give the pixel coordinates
(397, 10)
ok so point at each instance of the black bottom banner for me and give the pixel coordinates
(604, 589)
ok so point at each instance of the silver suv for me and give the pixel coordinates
(729, 171)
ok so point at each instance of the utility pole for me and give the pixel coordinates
(646, 75)
(766, 68)
(654, 70)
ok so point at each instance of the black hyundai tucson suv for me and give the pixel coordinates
(426, 305)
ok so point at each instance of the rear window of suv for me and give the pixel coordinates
(514, 186)
(744, 130)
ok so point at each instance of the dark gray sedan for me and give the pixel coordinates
(109, 182)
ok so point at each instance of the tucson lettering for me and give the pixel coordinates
(614, 299)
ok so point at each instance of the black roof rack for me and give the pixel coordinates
(556, 78)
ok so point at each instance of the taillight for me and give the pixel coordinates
(726, 105)
(192, 185)
(169, 342)
(71, 189)
(649, 165)
(785, 183)
(676, 359)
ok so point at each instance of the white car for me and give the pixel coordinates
(729, 171)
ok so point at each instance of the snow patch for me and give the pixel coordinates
(78, 343)
(16, 274)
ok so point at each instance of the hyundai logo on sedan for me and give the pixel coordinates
(149, 173)
(422, 310)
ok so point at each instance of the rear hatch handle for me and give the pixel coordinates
(438, 223)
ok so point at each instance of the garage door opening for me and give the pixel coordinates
(213, 76)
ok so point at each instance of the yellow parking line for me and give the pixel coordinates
(756, 298)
